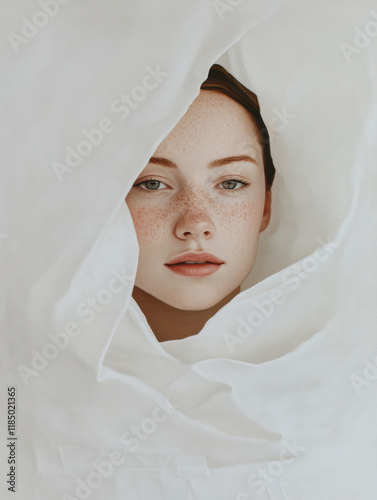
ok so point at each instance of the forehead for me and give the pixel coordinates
(214, 121)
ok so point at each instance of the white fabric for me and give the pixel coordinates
(244, 398)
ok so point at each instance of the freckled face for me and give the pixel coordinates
(192, 207)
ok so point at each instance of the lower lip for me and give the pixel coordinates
(194, 270)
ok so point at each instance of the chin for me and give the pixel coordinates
(196, 303)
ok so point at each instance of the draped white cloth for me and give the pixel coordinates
(276, 397)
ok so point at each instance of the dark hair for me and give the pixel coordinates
(220, 80)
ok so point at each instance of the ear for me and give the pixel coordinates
(266, 211)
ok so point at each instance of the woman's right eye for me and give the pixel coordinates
(149, 185)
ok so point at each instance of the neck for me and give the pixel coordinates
(170, 323)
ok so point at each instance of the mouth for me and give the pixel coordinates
(195, 264)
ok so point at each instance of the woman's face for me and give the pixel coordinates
(194, 196)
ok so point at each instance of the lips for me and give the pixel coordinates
(195, 265)
(195, 258)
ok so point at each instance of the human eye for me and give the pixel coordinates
(231, 184)
(149, 185)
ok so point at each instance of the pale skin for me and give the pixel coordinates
(202, 190)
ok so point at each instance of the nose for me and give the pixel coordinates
(194, 225)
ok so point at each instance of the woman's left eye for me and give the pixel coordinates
(230, 184)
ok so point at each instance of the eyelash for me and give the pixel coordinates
(244, 185)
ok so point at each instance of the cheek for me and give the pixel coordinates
(240, 230)
(242, 220)
(151, 224)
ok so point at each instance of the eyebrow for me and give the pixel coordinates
(164, 162)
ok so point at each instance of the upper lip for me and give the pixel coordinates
(196, 257)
